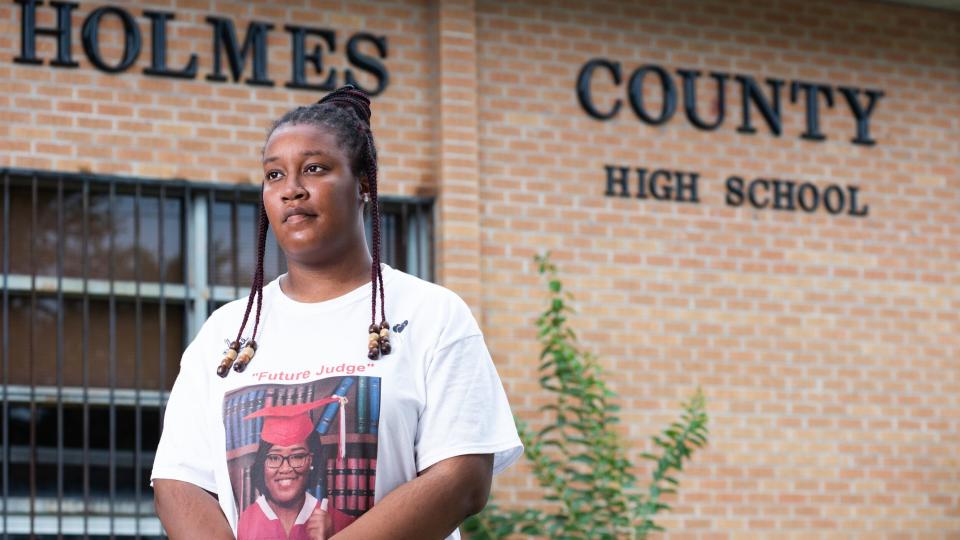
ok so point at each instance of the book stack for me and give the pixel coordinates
(368, 404)
(353, 483)
(242, 432)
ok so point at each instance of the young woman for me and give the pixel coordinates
(421, 423)
(283, 473)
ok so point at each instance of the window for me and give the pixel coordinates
(104, 282)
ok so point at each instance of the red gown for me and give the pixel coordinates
(259, 522)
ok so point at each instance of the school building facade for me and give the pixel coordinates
(761, 199)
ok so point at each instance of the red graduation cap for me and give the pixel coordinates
(285, 425)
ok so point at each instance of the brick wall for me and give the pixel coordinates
(827, 345)
(132, 124)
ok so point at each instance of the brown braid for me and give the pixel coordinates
(346, 112)
(258, 278)
(355, 100)
(256, 289)
(376, 234)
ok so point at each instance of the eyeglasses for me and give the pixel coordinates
(296, 461)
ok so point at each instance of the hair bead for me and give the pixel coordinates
(256, 292)
(232, 351)
(245, 356)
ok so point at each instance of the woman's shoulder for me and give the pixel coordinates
(220, 325)
(223, 316)
(430, 308)
(415, 291)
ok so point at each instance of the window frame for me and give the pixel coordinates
(196, 294)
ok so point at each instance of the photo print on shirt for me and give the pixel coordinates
(306, 446)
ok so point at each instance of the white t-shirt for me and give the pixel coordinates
(435, 396)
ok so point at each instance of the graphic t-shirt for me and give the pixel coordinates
(313, 423)
(259, 521)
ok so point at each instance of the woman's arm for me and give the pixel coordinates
(185, 510)
(431, 505)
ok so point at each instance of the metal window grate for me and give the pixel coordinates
(104, 282)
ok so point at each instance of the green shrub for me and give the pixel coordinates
(579, 459)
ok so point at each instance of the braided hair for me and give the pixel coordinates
(346, 113)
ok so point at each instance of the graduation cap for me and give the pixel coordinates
(285, 425)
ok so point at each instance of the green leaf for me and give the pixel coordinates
(578, 458)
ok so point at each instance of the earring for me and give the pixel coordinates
(366, 198)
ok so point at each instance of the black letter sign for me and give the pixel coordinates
(749, 91)
(224, 33)
(669, 105)
(583, 87)
(690, 98)
(298, 37)
(158, 50)
(367, 63)
(91, 39)
(813, 108)
(29, 31)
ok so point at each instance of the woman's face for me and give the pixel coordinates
(285, 473)
(310, 194)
